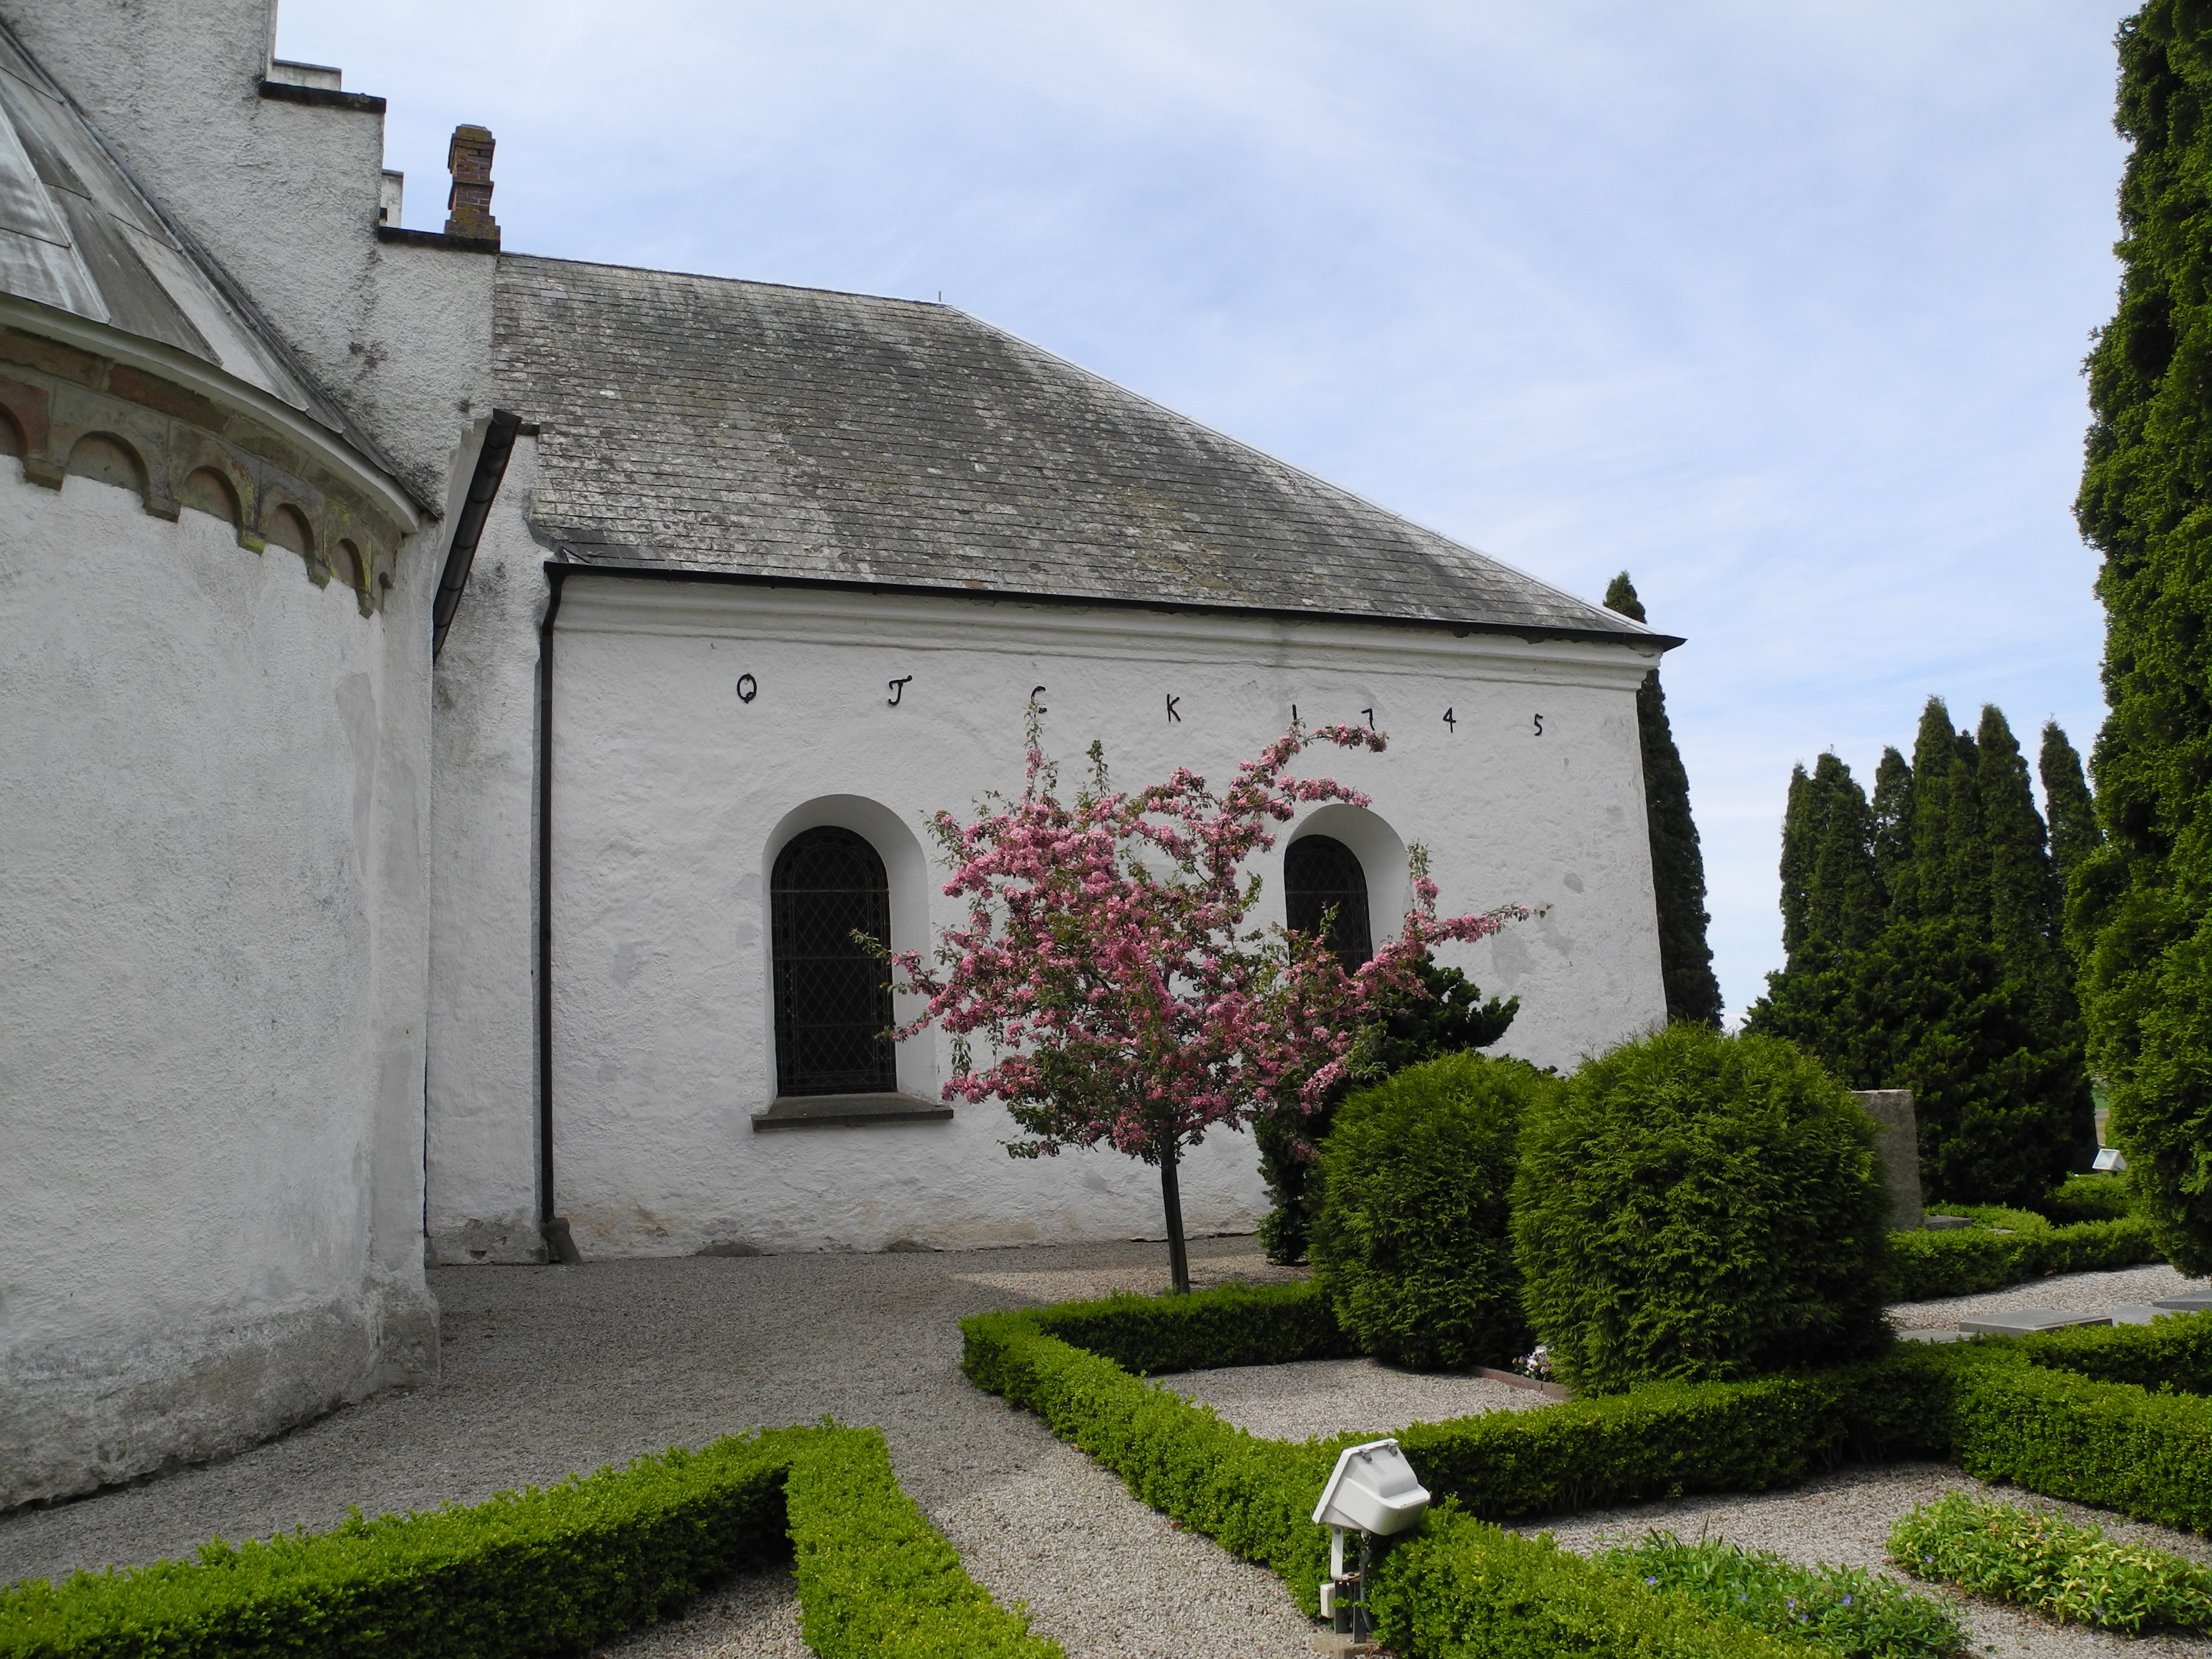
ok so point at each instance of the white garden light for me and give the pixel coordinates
(1372, 1492)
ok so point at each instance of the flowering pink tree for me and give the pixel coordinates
(1108, 962)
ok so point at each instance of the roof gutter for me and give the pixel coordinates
(1633, 636)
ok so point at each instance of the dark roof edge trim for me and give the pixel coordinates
(288, 92)
(492, 456)
(559, 569)
(437, 239)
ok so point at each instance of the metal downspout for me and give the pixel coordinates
(560, 1245)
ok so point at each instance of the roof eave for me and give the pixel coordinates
(1642, 640)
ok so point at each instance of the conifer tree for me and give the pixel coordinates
(2073, 815)
(1829, 899)
(1801, 837)
(2074, 832)
(1924, 889)
(1921, 938)
(1678, 864)
(1966, 847)
(1846, 904)
(2023, 898)
(2146, 505)
(1893, 826)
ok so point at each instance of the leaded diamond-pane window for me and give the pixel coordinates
(1319, 874)
(833, 1000)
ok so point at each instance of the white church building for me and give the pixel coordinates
(454, 706)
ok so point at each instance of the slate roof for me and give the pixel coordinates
(77, 233)
(705, 424)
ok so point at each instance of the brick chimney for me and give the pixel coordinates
(468, 205)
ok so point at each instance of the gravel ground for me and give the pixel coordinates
(1318, 1398)
(550, 1370)
(755, 1615)
(2080, 1293)
(1845, 1518)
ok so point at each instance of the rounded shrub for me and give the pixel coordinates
(1411, 1241)
(1698, 1207)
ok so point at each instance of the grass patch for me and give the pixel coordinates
(1859, 1615)
(2036, 1559)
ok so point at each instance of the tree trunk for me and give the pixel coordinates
(1171, 1203)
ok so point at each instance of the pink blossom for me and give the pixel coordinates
(1109, 963)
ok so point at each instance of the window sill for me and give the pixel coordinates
(848, 1111)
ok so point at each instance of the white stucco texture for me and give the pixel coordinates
(483, 1177)
(670, 797)
(210, 792)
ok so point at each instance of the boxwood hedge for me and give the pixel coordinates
(2023, 1412)
(1968, 1261)
(550, 1570)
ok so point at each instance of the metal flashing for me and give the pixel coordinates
(290, 92)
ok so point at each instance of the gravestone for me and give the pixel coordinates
(1898, 1147)
(2137, 1313)
(2187, 1302)
(2025, 1321)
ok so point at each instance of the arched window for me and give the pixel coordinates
(1319, 873)
(833, 1002)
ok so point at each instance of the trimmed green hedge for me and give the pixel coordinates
(2090, 1198)
(1230, 1325)
(2113, 1445)
(1412, 1243)
(875, 1579)
(1986, 1404)
(1965, 1261)
(550, 1570)
(2172, 1354)
(1255, 1497)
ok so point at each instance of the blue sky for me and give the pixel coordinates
(1780, 307)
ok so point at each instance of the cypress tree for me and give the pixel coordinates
(1842, 912)
(1678, 864)
(1924, 889)
(1966, 848)
(1800, 846)
(2074, 832)
(2073, 815)
(1930, 1007)
(2023, 894)
(1921, 933)
(1892, 824)
(2144, 897)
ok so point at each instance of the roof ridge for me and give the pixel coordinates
(735, 282)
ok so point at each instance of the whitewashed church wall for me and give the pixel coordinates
(669, 792)
(211, 792)
(483, 1080)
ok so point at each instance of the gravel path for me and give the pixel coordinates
(1844, 1518)
(2080, 1293)
(1317, 1398)
(550, 1370)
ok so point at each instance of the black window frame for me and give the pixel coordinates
(1318, 872)
(816, 969)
